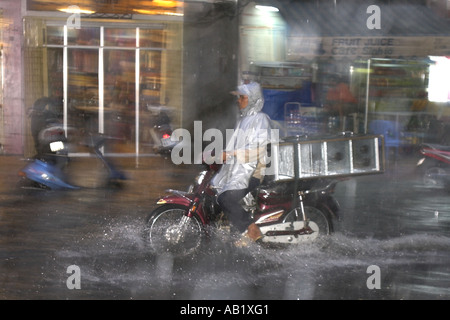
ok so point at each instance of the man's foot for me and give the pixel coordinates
(251, 235)
(254, 232)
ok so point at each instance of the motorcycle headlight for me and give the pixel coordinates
(200, 177)
(420, 162)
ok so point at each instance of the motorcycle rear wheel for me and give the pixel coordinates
(317, 219)
(166, 232)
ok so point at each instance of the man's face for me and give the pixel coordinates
(242, 101)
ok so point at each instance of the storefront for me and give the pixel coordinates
(340, 75)
(114, 63)
(112, 66)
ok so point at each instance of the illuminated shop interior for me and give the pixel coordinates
(111, 70)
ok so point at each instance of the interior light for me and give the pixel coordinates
(76, 9)
(266, 8)
(438, 86)
(167, 3)
(158, 12)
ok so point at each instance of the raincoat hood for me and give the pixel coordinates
(255, 98)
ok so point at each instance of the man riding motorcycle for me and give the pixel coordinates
(243, 169)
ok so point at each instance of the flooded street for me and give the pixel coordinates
(316, 88)
(390, 223)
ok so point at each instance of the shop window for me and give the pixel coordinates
(55, 35)
(113, 83)
(119, 66)
(120, 37)
(83, 36)
(55, 71)
(152, 38)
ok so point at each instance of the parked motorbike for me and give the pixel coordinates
(48, 169)
(434, 166)
(161, 131)
(287, 213)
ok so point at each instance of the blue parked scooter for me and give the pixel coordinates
(47, 169)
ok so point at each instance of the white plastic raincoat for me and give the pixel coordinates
(250, 138)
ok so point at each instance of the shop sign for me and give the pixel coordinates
(354, 47)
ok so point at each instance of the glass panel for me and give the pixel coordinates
(120, 37)
(84, 36)
(152, 38)
(119, 97)
(83, 89)
(55, 71)
(150, 77)
(153, 110)
(55, 35)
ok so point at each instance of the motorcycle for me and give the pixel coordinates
(434, 166)
(287, 213)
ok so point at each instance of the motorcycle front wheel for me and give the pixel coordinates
(169, 230)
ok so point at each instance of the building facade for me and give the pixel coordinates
(113, 64)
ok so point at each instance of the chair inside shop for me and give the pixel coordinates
(391, 132)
